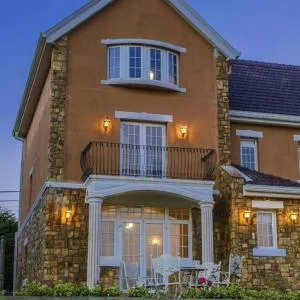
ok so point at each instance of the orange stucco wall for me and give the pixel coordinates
(36, 152)
(277, 150)
(89, 101)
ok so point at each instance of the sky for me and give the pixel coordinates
(264, 30)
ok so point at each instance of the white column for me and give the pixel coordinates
(94, 241)
(207, 232)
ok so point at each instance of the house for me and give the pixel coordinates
(143, 134)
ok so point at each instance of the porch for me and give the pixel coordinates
(135, 219)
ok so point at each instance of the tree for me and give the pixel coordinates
(8, 227)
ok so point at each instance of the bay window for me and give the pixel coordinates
(147, 65)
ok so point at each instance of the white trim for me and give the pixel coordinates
(232, 171)
(143, 117)
(296, 137)
(181, 7)
(273, 252)
(274, 229)
(143, 82)
(144, 42)
(271, 191)
(267, 204)
(249, 133)
(264, 118)
(105, 186)
(48, 184)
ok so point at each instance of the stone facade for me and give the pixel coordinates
(223, 110)
(109, 277)
(57, 110)
(57, 247)
(240, 238)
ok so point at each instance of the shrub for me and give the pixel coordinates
(2, 292)
(111, 292)
(97, 291)
(82, 291)
(64, 290)
(35, 289)
(140, 291)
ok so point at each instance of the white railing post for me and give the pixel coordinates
(207, 232)
(94, 242)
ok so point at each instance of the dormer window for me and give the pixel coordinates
(143, 62)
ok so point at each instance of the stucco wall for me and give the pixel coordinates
(277, 150)
(36, 151)
(89, 101)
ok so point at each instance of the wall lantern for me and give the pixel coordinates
(293, 217)
(183, 131)
(106, 123)
(247, 215)
(155, 242)
(68, 215)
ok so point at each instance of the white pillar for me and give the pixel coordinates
(94, 241)
(207, 232)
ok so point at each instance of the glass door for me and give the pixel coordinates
(131, 246)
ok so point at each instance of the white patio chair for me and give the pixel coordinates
(211, 272)
(131, 273)
(163, 267)
(235, 268)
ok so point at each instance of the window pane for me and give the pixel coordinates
(179, 240)
(109, 211)
(265, 230)
(248, 154)
(157, 213)
(179, 214)
(155, 64)
(107, 238)
(114, 62)
(173, 68)
(135, 62)
(131, 212)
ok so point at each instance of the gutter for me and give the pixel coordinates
(30, 81)
(271, 191)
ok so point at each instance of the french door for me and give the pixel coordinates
(143, 151)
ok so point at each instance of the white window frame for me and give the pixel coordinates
(274, 229)
(161, 64)
(250, 143)
(125, 78)
(142, 128)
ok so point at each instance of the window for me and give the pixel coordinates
(266, 229)
(108, 238)
(144, 65)
(173, 68)
(135, 62)
(155, 64)
(249, 154)
(179, 240)
(298, 150)
(114, 62)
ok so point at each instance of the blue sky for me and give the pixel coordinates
(265, 30)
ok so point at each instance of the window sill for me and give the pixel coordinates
(269, 252)
(109, 261)
(143, 83)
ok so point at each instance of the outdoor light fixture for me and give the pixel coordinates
(68, 215)
(106, 124)
(151, 74)
(294, 216)
(183, 131)
(247, 215)
(155, 242)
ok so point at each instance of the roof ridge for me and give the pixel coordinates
(258, 62)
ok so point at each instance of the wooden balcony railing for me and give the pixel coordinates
(116, 159)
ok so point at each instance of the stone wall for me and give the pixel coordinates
(57, 247)
(57, 110)
(261, 272)
(223, 110)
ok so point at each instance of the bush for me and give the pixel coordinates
(2, 292)
(97, 291)
(35, 289)
(139, 291)
(111, 292)
(82, 291)
(64, 290)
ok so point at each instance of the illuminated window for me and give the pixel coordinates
(266, 230)
(249, 154)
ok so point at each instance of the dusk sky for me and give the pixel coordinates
(264, 30)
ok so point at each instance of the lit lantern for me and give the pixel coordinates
(293, 217)
(183, 131)
(68, 215)
(247, 215)
(106, 124)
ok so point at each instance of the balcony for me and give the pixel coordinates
(116, 159)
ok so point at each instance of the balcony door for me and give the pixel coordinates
(143, 149)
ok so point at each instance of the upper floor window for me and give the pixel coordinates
(147, 65)
(249, 154)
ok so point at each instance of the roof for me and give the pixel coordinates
(258, 178)
(42, 57)
(261, 87)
